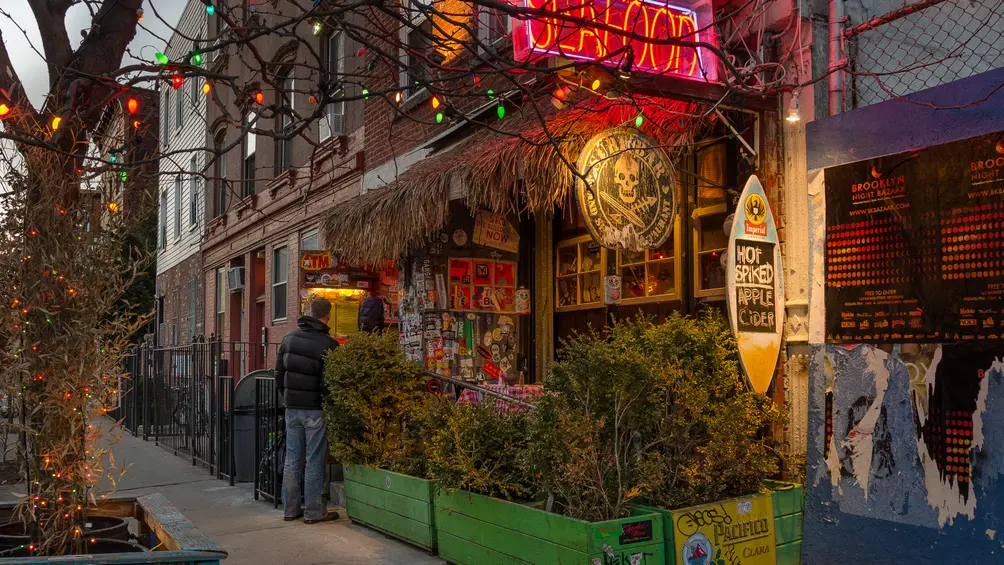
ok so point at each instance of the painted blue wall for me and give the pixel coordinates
(876, 496)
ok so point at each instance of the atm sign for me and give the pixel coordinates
(316, 261)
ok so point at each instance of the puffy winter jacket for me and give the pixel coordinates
(371, 314)
(299, 366)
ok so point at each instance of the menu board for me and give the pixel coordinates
(914, 244)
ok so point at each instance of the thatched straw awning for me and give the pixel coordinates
(520, 165)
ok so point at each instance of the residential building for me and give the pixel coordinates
(182, 187)
(268, 190)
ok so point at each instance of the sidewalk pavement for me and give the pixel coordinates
(251, 530)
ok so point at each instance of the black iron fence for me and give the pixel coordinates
(209, 401)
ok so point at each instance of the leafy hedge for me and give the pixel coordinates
(378, 406)
(647, 412)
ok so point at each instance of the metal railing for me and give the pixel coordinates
(182, 399)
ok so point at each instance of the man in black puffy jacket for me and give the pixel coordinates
(299, 376)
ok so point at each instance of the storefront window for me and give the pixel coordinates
(580, 273)
(649, 274)
(710, 244)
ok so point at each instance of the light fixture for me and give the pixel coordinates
(625, 69)
(793, 115)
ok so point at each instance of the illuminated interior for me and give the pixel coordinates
(344, 307)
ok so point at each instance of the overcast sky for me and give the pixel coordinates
(151, 36)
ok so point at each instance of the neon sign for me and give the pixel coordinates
(559, 32)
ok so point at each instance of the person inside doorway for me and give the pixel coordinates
(299, 377)
(371, 318)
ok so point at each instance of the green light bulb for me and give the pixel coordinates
(501, 111)
(162, 58)
(439, 117)
(366, 93)
(197, 58)
(491, 94)
(210, 9)
(639, 120)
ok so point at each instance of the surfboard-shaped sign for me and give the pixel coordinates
(755, 286)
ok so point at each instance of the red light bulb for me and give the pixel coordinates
(259, 97)
(177, 81)
(133, 105)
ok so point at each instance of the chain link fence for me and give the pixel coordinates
(893, 50)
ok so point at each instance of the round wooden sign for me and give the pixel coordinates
(628, 198)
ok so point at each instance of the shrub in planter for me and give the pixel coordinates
(377, 404)
(476, 447)
(650, 412)
(713, 443)
(378, 408)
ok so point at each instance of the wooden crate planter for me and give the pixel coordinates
(397, 505)
(179, 541)
(480, 530)
(789, 506)
(785, 506)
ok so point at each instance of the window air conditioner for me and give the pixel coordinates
(235, 279)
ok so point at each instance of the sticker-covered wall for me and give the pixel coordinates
(905, 454)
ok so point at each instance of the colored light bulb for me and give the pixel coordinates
(177, 81)
(206, 88)
(56, 122)
(162, 58)
(491, 94)
(210, 9)
(132, 105)
(501, 111)
(197, 58)
(439, 117)
(435, 102)
(259, 97)
(596, 84)
(4, 110)
(639, 120)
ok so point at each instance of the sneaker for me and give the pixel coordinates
(331, 517)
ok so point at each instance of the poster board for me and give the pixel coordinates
(739, 531)
(755, 288)
(914, 245)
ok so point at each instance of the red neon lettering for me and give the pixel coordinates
(648, 21)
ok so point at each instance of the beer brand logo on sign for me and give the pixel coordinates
(756, 214)
(628, 197)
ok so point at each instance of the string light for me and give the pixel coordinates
(210, 9)
(435, 103)
(501, 111)
(132, 105)
(318, 27)
(491, 94)
(4, 110)
(56, 122)
(206, 88)
(259, 97)
(793, 114)
(366, 94)
(197, 58)
(398, 97)
(596, 84)
(439, 117)
(639, 120)
(162, 58)
(136, 124)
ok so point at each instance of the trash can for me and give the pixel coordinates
(243, 413)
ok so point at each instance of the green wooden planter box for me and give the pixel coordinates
(789, 508)
(788, 501)
(397, 505)
(480, 530)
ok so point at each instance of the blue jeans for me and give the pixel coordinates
(306, 434)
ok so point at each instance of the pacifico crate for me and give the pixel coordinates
(178, 542)
(397, 505)
(479, 530)
(760, 529)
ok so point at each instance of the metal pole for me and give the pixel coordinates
(482, 390)
(836, 18)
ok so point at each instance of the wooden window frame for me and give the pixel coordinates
(695, 225)
(577, 241)
(677, 261)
